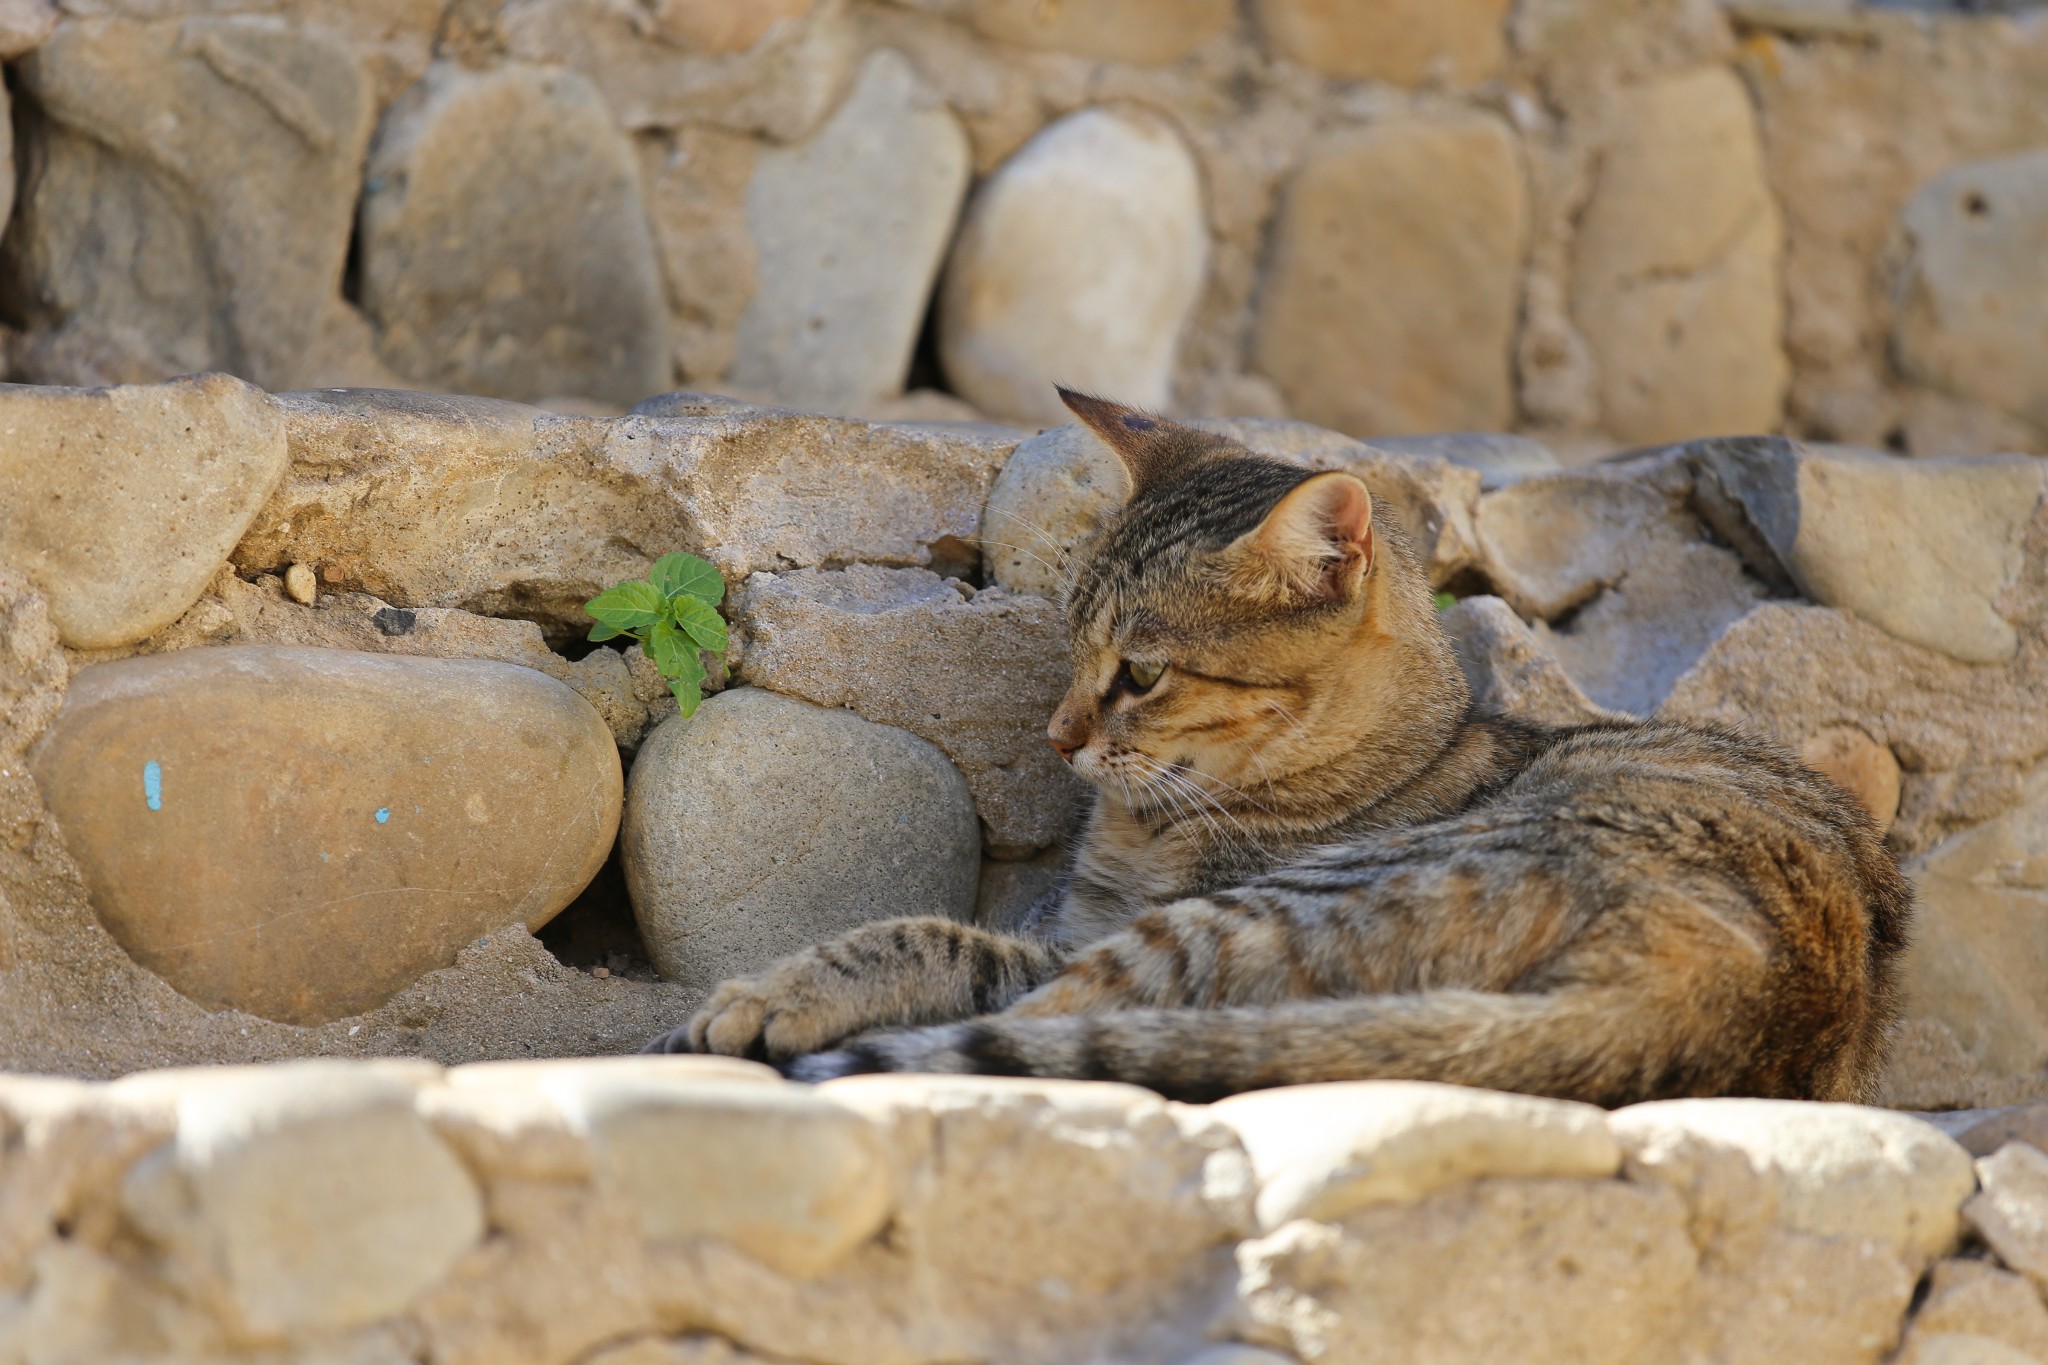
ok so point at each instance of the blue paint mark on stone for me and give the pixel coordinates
(383, 815)
(153, 784)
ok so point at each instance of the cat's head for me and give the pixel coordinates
(1239, 623)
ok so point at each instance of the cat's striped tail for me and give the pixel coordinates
(1599, 1045)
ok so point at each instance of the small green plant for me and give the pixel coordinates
(1444, 601)
(673, 613)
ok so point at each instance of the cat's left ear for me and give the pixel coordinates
(1316, 543)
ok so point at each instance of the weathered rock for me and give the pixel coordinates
(1509, 670)
(1326, 1151)
(304, 1197)
(1980, 941)
(502, 509)
(1454, 42)
(1238, 1354)
(1528, 1270)
(976, 673)
(697, 181)
(1975, 1299)
(1389, 305)
(1145, 32)
(189, 190)
(1057, 487)
(505, 247)
(1971, 309)
(122, 503)
(24, 24)
(1676, 273)
(1958, 1348)
(1858, 765)
(762, 66)
(787, 1176)
(1614, 555)
(1925, 549)
(300, 833)
(1501, 458)
(1010, 889)
(849, 229)
(1080, 261)
(1828, 1170)
(1983, 1131)
(762, 825)
(2010, 1209)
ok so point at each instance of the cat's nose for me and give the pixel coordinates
(1065, 749)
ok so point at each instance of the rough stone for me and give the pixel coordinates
(1080, 261)
(1676, 270)
(1980, 943)
(1325, 1151)
(1509, 670)
(762, 66)
(976, 673)
(1390, 302)
(1958, 1348)
(505, 247)
(849, 230)
(1500, 458)
(1451, 42)
(1144, 32)
(2010, 1209)
(24, 24)
(762, 825)
(1009, 890)
(1827, 1170)
(1971, 313)
(1973, 1298)
(122, 503)
(1058, 485)
(300, 833)
(697, 182)
(304, 1197)
(189, 191)
(1925, 549)
(1615, 558)
(1858, 765)
(787, 1176)
(1983, 1131)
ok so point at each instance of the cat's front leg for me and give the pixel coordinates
(890, 974)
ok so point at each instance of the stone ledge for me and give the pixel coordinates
(688, 1209)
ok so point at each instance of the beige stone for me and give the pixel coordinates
(1984, 1131)
(24, 24)
(1079, 262)
(849, 230)
(1390, 301)
(480, 179)
(1971, 311)
(192, 190)
(1509, 670)
(1410, 42)
(1675, 272)
(1146, 32)
(1326, 1151)
(1977, 1299)
(697, 180)
(793, 1179)
(2010, 1210)
(122, 503)
(976, 673)
(1010, 889)
(1958, 1348)
(1826, 1170)
(1858, 765)
(762, 825)
(304, 1197)
(300, 833)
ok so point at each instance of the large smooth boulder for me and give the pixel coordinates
(1080, 261)
(299, 833)
(761, 825)
(976, 673)
(1390, 301)
(505, 245)
(849, 229)
(1407, 42)
(1143, 32)
(189, 190)
(122, 503)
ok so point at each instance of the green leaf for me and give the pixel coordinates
(627, 606)
(681, 575)
(688, 693)
(671, 650)
(601, 632)
(700, 622)
(1445, 601)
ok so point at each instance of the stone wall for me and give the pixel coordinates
(693, 1211)
(1611, 222)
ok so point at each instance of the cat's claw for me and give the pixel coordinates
(675, 1040)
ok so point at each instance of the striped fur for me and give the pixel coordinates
(1311, 860)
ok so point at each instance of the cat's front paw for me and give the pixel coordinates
(783, 1013)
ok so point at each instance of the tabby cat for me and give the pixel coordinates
(1310, 858)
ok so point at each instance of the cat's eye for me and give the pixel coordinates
(1140, 677)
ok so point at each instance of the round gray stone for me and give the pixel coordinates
(761, 825)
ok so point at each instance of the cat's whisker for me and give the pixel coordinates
(1058, 571)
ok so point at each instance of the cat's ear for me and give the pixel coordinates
(1316, 543)
(1147, 445)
